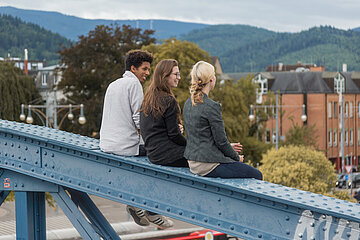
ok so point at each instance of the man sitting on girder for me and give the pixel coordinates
(119, 133)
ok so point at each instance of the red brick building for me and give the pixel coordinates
(319, 92)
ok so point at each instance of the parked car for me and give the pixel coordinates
(340, 182)
(354, 180)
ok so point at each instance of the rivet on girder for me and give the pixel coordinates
(97, 189)
(181, 213)
(232, 227)
(133, 199)
(120, 195)
(259, 235)
(168, 209)
(156, 205)
(246, 231)
(288, 232)
(33, 170)
(287, 218)
(192, 216)
(206, 220)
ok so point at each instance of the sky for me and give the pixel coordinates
(275, 15)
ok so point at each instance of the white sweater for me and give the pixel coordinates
(121, 119)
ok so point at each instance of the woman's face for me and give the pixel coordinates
(174, 77)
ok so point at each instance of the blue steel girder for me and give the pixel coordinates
(245, 208)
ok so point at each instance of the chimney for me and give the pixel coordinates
(344, 67)
(280, 66)
(26, 62)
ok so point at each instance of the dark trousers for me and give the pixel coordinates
(235, 170)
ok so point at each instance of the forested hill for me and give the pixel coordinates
(219, 39)
(245, 48)
(71, 27)
(16, 35)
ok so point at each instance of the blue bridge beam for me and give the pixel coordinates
(245, 208)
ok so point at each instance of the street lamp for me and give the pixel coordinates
(36, 108)
(252, 117)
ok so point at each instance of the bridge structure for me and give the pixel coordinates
(35, 160)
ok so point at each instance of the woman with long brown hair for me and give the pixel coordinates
(160, 117)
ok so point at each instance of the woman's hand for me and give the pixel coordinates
(181, 128)
(237, 147)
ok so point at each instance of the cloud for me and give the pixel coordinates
(278, 15)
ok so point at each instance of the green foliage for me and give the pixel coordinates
(235, 99)
(15, 89)
(48, 198)
(247, 49)
(16, 35)
(299, 167)
(91, 64)
(187, 54)
(301, 135)
(222, 38)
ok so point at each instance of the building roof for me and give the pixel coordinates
(308, 82)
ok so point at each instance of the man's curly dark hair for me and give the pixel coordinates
(136, 58)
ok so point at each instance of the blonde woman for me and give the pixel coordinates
(208, 150)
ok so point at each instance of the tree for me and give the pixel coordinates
(92, 63)
(15, 89)
(187, 54)
(305, 135)
(299, 167)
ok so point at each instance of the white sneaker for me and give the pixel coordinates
(138, 215)
(159, 220)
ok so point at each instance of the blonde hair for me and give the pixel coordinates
(201, 74)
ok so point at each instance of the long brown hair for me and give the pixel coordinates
(159, 88)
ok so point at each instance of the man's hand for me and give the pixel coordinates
(241, 158)
(237, 147)
(181, 128)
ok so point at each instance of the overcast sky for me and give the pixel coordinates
(276, 15)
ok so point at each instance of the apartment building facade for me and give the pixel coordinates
(316, 94)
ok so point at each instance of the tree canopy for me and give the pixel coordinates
(300, 167)
(93, 62)
(15, 89)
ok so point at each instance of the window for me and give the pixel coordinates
(335, 110)
(274, 136)
(358, 137)
(263, 87)
(330, 138)
(346, 109)
(44, 79)
(329, 109)
(273, 109)
(346, 137)
(358, 108)
(351, 109)
(339, 83)
(267, 136)
(335, 137)
(351, 137)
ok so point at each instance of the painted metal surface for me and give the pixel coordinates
(246, 208)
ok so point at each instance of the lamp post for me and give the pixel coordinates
(58, 108)
(252, 117)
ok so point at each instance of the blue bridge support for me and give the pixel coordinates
(34, 160)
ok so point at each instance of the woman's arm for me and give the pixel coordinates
(172, 127)
(218, 131)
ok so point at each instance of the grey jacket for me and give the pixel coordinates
(206, 137)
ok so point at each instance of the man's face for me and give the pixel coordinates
(141, 72)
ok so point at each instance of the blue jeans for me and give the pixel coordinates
(235, 170)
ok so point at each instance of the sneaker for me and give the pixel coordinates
(138, 215)
(160, 221)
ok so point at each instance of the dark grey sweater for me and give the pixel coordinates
(206, 137)
(164, 142)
